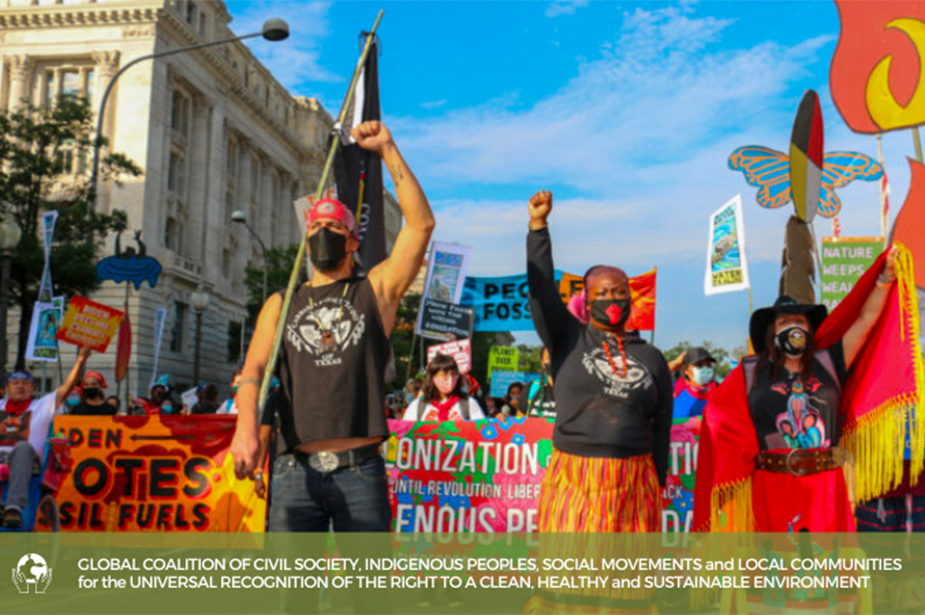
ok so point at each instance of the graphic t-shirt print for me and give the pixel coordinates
(14, 429)
(326, 330)
(617, 384)
(801, 425)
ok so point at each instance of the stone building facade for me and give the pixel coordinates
(214, 133)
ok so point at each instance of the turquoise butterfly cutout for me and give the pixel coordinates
(769, 171)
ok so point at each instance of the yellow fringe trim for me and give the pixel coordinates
(877, 440)
(731, 507)
(730, 511)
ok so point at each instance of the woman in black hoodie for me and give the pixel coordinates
(613, 399)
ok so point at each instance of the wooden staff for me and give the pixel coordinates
(300, 256)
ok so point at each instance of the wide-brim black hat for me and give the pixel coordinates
(763, 318)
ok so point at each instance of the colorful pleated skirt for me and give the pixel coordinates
(594, 494)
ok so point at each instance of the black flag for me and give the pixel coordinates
(359, 171)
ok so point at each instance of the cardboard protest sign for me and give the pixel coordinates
(503, 358)
(154, 474)
(875, 70)
(446, 273)
(446, 321)
(91, 324)
(844, 261)
(460, 350)
(501, 381)
(46, 319)
(727, 268)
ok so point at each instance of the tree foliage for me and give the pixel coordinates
(280, 262)
(44, 165)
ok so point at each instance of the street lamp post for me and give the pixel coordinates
(273, 30)
(10, 233)
(200, 300)
(241, 218)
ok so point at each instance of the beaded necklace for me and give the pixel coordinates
(621, 373)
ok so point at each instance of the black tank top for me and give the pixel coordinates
(332, 363)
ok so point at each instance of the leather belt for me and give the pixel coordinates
(802, 461)
(328, 461)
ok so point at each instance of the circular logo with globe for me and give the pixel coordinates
(32, 571)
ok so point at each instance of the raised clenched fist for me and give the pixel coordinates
(540, 207)
(373, 136)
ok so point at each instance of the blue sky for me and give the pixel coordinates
(627, 111)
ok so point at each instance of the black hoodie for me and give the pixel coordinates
(599, 413)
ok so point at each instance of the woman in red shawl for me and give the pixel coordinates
(769, 458)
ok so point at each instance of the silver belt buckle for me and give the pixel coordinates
(324, 461)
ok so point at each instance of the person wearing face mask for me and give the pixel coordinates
(511, 405)
(92, 398)
(697, 382)
(613, 399)
(332, 364)
(24, 424)
(776, 422)
(443, 397)
(228, 406)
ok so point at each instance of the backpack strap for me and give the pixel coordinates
(464, 408)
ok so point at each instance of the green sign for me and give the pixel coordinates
(844, 261)
(503, 359)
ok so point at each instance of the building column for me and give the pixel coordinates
(20, 71)
(243, 203)
(107, 65)
(267, 206)
(198, 151)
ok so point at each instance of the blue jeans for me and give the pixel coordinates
(352, 499)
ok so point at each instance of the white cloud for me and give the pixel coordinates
(296, 61)
(567, 7)
(434, 104)
(642, 132)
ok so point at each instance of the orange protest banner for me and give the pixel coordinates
(88, 323)
(153, 474)
(642, 292)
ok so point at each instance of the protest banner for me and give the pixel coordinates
(160, 319)
(485, 476)
(467, 476)
(46, 319)
(47, 224)
(727, 268)
(446, 273)
(500, 303)
(503, 358)
(154, 474)
(88, 323)
(445, 321)
(500, 381)
(844, 261)
(460, 350)
(678, 494)
(189, 397)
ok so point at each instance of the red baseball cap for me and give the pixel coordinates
(333, 210)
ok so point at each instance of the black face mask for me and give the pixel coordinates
(610, 312)
(91, 393)
(792, 341)
(328, 249)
